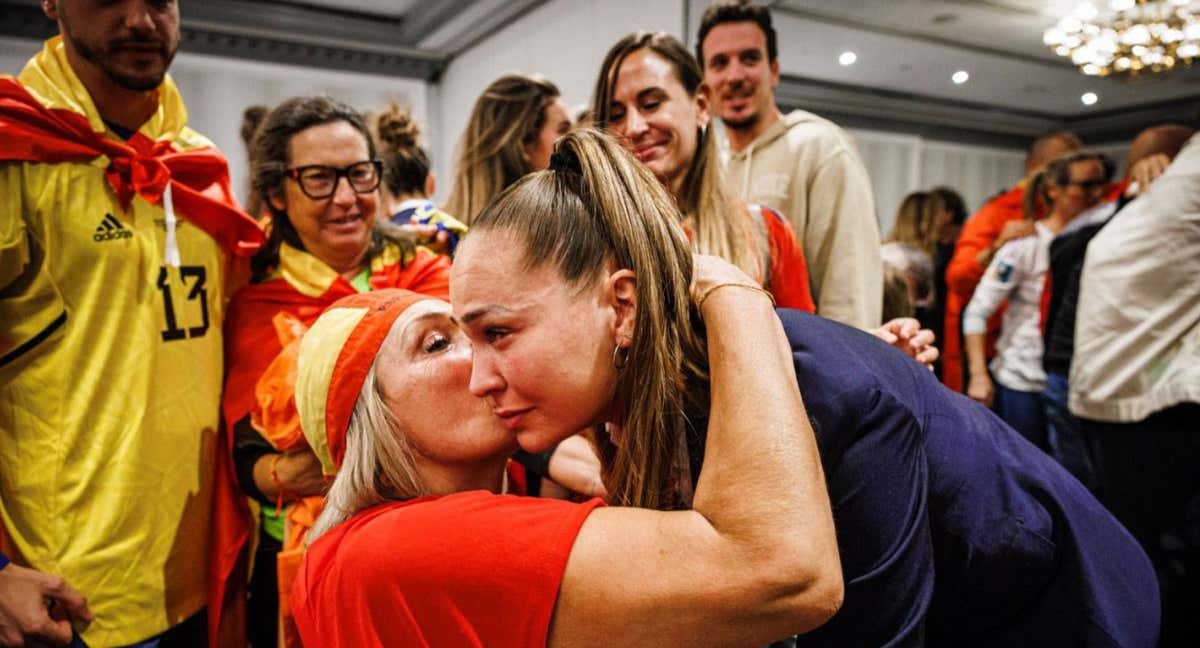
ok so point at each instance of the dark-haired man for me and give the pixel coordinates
(115, 224)
(800, 165)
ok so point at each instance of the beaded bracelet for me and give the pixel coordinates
(708, 291)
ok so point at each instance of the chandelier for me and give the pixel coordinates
(1127, 36)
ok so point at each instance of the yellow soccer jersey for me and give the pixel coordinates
(110, 380)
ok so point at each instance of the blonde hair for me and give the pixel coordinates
(916, 221)
(896, 301)
(598, 206)
(721, 224)
(491, 156)
(378, 464)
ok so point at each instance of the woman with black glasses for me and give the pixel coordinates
(316, 170)
(1013, 383)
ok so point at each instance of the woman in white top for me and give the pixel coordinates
(1067, 187)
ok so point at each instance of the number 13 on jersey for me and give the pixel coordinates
(185, 302)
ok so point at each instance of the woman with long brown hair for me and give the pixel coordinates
(510, 132)
(650, 95)
(943, 512)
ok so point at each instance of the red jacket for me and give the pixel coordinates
(964, 272)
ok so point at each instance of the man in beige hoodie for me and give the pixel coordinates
(800, 165)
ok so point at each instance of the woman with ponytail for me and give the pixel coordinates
(409, 182)
(1013, 382)
(951, 529)
(418, 545)
(315, 168)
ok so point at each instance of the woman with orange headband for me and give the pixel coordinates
(417, 545)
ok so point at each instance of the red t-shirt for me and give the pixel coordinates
(789, 270)
(468, 569)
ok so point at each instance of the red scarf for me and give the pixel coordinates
(199, 178)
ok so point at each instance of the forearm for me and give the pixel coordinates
(976, 355)
(762, 479)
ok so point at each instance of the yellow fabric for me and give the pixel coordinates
(311, 276)
(107, 430)
(319, 350)
(306, 273)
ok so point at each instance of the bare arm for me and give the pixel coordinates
(980, 387)
(999, 280)
(756, 559)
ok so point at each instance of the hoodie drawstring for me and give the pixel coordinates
(171, 249)
(746, 174)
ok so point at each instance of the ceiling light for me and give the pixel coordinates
(1089, 98)
(1127, 36)
(960, 77)
(847, 58)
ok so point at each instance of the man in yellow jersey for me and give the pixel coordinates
(115, 223)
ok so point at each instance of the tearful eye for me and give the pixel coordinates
(436, 342)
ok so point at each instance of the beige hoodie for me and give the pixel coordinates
(807, 168)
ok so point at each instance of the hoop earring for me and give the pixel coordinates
(620, 357)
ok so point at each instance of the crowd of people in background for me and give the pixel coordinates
(344, 414)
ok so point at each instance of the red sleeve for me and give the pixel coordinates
(978, 234)
(469, 569)
(789, 271)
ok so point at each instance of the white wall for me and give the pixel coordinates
(565, 40)
(217, 90)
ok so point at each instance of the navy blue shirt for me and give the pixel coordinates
(953, 529)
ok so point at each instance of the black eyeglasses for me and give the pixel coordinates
(1089, 185)
(319, 181)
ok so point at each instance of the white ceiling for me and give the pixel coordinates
(911, 47)
(1007, 25)
(914, 46)
(389, 8)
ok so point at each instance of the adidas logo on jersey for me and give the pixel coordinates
(110, 229)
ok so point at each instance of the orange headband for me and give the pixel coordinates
(335, 356)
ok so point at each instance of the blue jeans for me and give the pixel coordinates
(1023, 411)
(1064, 434)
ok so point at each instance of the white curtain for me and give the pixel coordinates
(900, 164)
